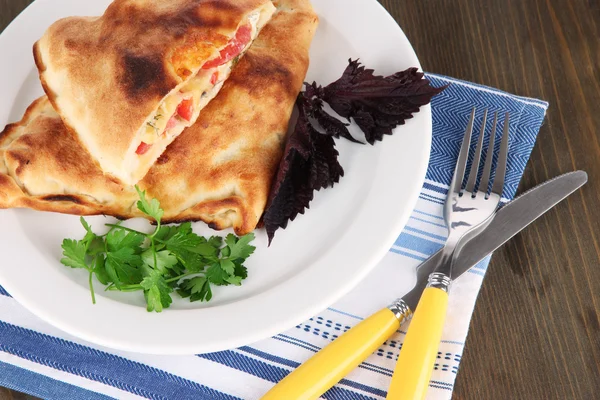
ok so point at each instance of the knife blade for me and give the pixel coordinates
(333, 362)
(509, 220)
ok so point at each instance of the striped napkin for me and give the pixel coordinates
(41, 360)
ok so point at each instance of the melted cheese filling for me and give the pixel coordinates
(198, 88)
(166, 123)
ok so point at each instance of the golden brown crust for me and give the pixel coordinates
(106, 75)
(46, 169)
(218, 171)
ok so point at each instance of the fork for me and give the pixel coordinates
(467, 212)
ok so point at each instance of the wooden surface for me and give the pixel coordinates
(536, 329)
(7, 394)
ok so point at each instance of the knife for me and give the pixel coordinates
(323, 370)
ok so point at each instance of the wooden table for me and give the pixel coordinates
(536, 329)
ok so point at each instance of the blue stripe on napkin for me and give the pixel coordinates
(100, 366)
(41, 386)
(272, 359)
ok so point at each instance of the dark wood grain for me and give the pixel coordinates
(536, 329)
(536, 332)
(7, 394)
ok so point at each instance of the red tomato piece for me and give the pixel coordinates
(233, 48)
(143, 148)
(172, 122)
(186, 109)
(214, 78)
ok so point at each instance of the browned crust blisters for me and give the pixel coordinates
(218, 171)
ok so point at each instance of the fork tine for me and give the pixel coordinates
(461, 164)
(487, 168)
(502, 159)
(475, 164)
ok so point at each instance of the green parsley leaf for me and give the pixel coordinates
(216, 241)
(239, 247)
(156, 291)
(235, 280)
(100, 270)
(166, 232)
(216, 275)
(150, 208)
(94, 243)
(86, 226)
(192, 262)
(189, 248)
(89, 234)
(164, 259)
(183, 240)
(186, 227)
(120, 239)
(205, 249)
(228, 266)
(122, 266)
(126, 255)
(197, 289)
(175, 271)
(74, 253)
(96, 246)
(241, 271)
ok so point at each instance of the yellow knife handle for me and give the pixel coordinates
(419, 350)
(317, 375)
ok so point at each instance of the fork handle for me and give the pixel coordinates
(419, 350)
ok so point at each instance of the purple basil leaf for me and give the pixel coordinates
(376, 103)
(309, 163)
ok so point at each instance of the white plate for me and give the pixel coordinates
(319, 258)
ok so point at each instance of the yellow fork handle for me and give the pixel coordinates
(317, 375)
(419, 350)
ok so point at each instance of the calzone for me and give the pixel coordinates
(219, 170)
(126, 84)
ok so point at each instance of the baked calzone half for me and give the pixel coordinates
(129, 82)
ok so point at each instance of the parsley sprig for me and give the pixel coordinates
(171, 258)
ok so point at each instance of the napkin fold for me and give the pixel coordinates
(41, 360)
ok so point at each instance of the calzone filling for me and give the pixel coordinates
(182, 107)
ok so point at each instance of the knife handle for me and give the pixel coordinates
(326, 368)
(419, 350)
